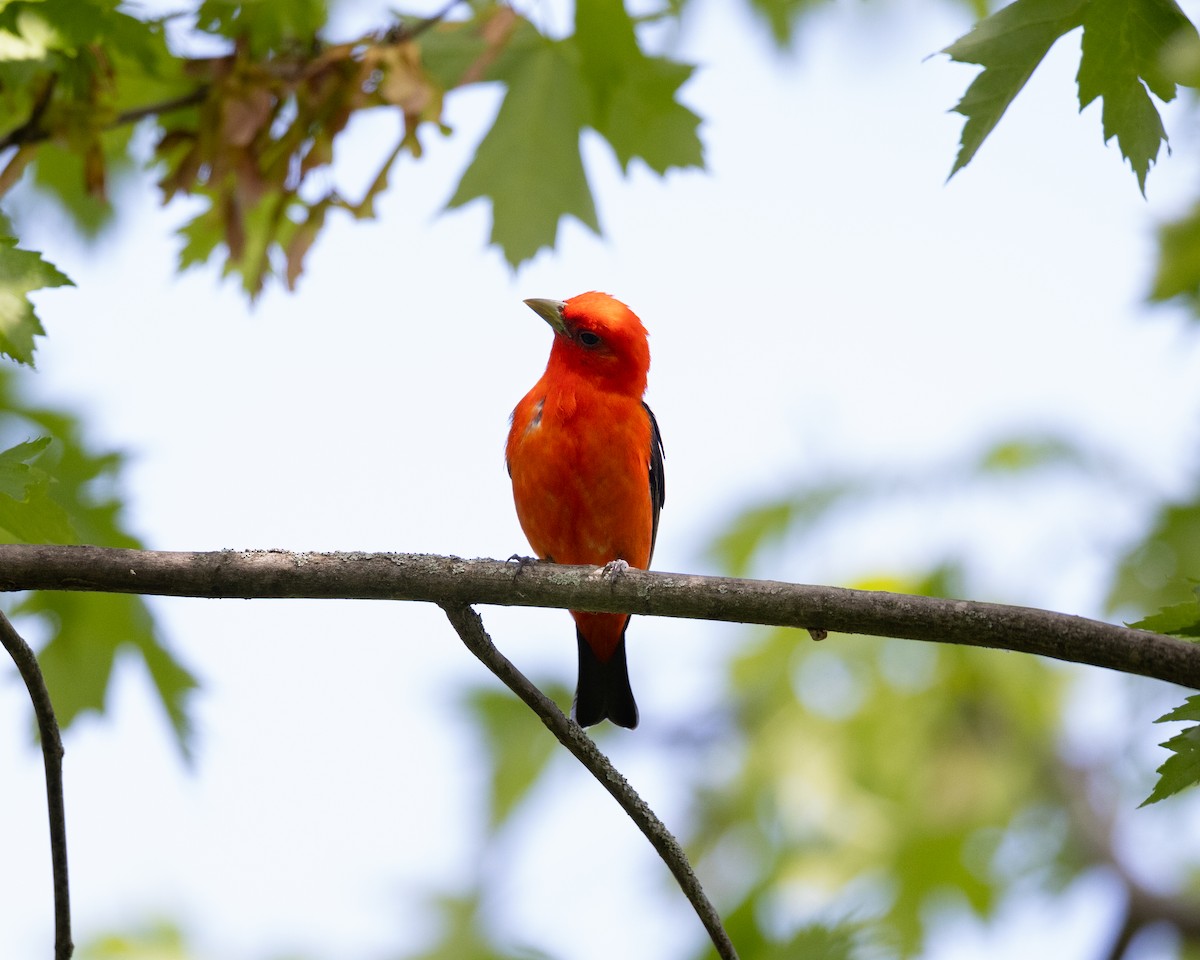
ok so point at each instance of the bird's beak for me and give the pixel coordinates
(551, 311)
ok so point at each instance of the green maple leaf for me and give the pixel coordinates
(783, 17)
(27, 512)
(22, 272)
(1009, 45)
(1178, 273)
(634, 103)
(1122, 48)
(1182, 769)
(529, 164)
(91, 630)
(1121, 64)
(1177, 620)
(17, 476)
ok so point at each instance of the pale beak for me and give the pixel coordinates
(551, 311)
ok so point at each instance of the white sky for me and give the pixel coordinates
(819, 301)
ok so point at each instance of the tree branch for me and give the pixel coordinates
(1094, 827)
(407, 576)
(52, 754)
(470, 628)
(30, 132)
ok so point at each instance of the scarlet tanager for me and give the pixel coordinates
(586, 462)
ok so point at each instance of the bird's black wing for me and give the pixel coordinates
(658, 483)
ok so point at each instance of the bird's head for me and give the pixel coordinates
(597, 336)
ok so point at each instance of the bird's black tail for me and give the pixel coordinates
(603, 689)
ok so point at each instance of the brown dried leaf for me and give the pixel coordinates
(183, 178)
(319, 154)
(235, 227)
(209, 68)
(330, 57)
(404, 82)
(16, 166)
(495, 32)
(173, 138)
(365, 210)
(431, 111)
(249, 181)
(94, 172)
(242, 117)
(302, 241)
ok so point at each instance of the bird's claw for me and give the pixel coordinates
(521, 562)
(614, 569)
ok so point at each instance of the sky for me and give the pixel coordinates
(820, 301)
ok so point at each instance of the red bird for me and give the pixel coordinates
(586, 462)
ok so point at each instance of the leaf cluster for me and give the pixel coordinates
(245, 130)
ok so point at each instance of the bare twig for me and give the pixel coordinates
(1093, 826)
(401, 32)
(52, 754)
(181, 102)
(406, 576)
(470, 628)
(1124, 936)
(30, 132)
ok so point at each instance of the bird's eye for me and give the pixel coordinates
(588, 339)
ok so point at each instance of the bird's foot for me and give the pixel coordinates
(521, 562)
(614, 569)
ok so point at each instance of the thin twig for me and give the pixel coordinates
(1094, 825)
(1123, 937)
(401, 32)
(27, 132)
(52, 755)
(165, 106)
(409, 576)
(30, 133)
(470, 628)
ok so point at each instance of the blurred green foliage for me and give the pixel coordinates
(516, 746)
(882, 766)
(1164, 567)
(55, 489)
(161, 941)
